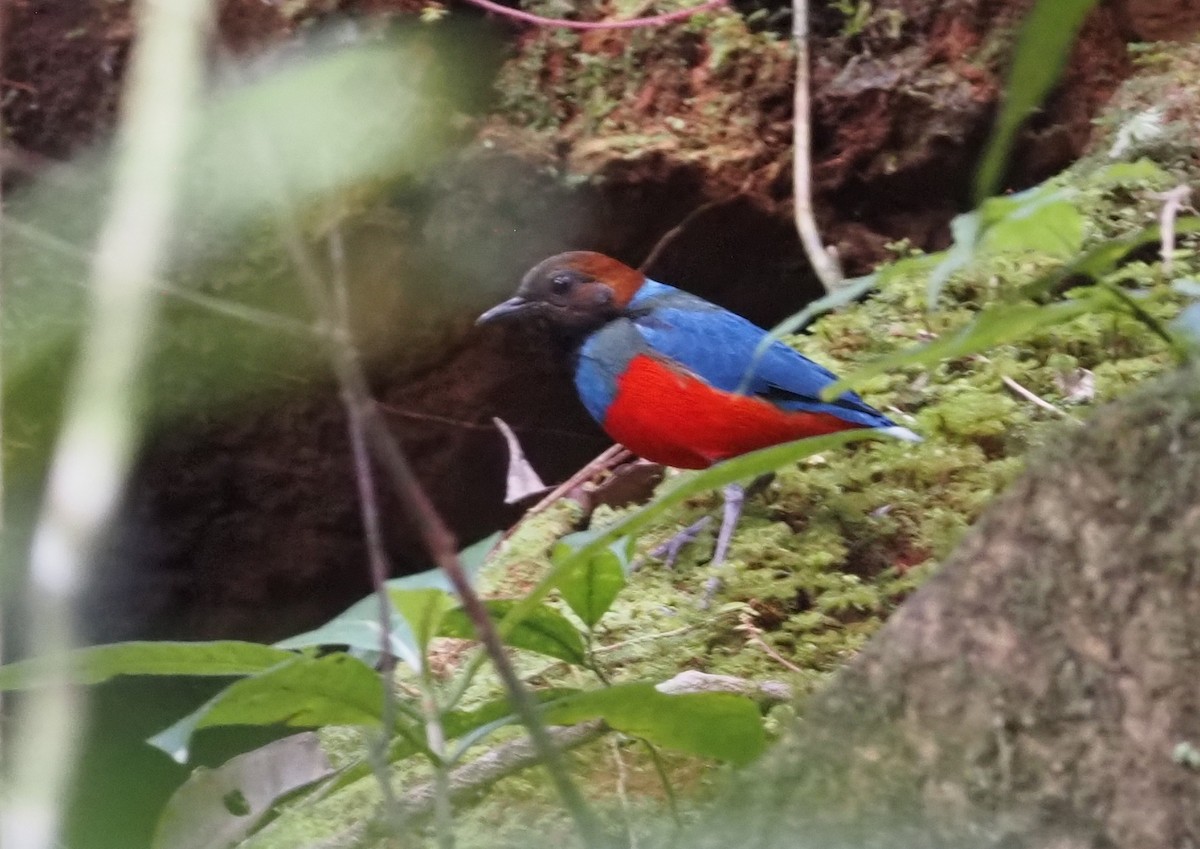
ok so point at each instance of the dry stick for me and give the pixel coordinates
(98, 436)
(609, 457)
(442, 546)
(1035, 399)
(632, 23)
(356, 399)
(822, 261)
(345, 356)
(675, 232)
(1173, 201)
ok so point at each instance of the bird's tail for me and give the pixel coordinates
(901, 433)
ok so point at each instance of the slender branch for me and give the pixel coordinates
(343, 352)
(822, 262)
(100, 426)
(1036, 400)
(632, 23)
(220, 306)
(678, 230)
(1174, 201)
(440, 543)
(609, 457)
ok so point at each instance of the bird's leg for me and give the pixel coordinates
(735, 497)
(670, 549)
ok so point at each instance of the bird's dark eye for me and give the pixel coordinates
(560, 283)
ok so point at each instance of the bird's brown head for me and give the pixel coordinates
(575, 292)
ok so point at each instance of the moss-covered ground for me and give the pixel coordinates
(831, 546)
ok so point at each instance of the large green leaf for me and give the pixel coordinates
(540, 630)
(358, 627)
(100, 663)
(715, 725)
(592, 585)
(1104, 258)
(1041, 220)
(305, 692)
(1041, 52)
(417, 604)
(996, 325)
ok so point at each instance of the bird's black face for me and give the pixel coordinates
(571, 299)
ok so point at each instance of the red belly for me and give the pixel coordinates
(671, 417)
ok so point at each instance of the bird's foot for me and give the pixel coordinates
(670, 549)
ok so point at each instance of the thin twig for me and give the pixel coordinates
(614, 746)
(99, 433)
(221, 306)
(442, 546)
(675, 232)
(754, 636)
(608, 458)
(1035, 399)
(632, 23)
(822, 262)
(346, 356)
(1174, 201)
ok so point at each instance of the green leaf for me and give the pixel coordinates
(1041, 220)
(540, 630)
(1104, 258)
(1042, 49)
(423, 611)
(1037, 220)
(358, 627)
(1124, 173)
(472, 558)
(591, 586)
(100, 663)
(418, 602)
(965, 230)
(306, 692)
(724, 726)
(996, 325)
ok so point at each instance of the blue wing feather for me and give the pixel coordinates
(718, 345)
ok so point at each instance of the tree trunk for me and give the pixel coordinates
(1044, 688)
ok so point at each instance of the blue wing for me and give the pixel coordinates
(719, 346)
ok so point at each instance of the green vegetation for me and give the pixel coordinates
(1050, 301)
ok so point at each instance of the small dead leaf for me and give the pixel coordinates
(522, 481)
(216, 808)
(1077, 386)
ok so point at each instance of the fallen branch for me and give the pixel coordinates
(1036, 400)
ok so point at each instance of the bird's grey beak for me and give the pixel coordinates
(511, 307)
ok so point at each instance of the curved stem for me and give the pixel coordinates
(822, 262)
(632, 23)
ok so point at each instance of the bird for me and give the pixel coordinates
(676, 379)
